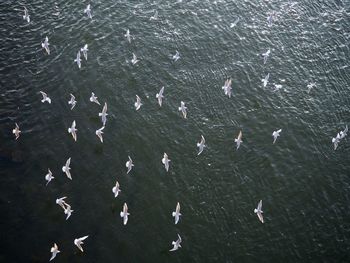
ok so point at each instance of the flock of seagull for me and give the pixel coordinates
(124, 214)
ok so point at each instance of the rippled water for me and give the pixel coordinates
(303, 182)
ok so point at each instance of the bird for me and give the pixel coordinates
(26, 15)
(49, 177)
(176, 243)
(45, 97)
(72, 101)
(116, 189)
(99, 133)
(183, 109)
(336, 140)
(266, 55)
(79, 241)
(234, 23)
(73, 130)
(310, 86)
(85, 50)
(129, 165)
(68, 211)
(201, 145)
(134, 59)
(165, 161)
(104, 114)
(128, 36)
(16, 131)
(275, 134)
(78, 59)
(177, 213)
(138, 103)
(155, 16)
(259, 212)
(176, 56)
(45, 45)
(66, 168)
(160, 96)
(54, 250)
(227, 87)
(238, 140)
(93, 98)
(265, 80)
(87, 11)
(61, 202)
(270, 19)
(343, 133)
(277, 87)
(124, 214)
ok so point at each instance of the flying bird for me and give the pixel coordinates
(78, 59)
(73, 130)
(183, 109)
(176, 244)
(79, 241)
(138, 103)
(234, 23)
(176, 56)
(26, 15)
(61, 202)
(201, 145)
(275, 134)
(45, 97)
(116, 189)
(343, 133)
(177, 213)
(266, 55)
(93, 98)
(129, 165)
(160, 96)
(165, 161)
(124, 214)
(128, 36)
(72, 101)
(87, 11)
(155, 16)
(16, 131)
(68, 211)
(227, 87)
(45, 45)
(265, 80)
(66, 168)
(259, 212)
(336, 140)
(238, 140)
(99, 133)
(134, 59)
(49, 177)
(104, 114)
(54, 250)
(85, 50)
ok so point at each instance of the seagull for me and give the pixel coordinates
(183, 109)
(87, 11)
(79, 241)
(134, 59)
(128, 36)
(265, 80)
(73, 131)
(335, 141)
(160, 96)
(99, 133)
(72, 101)
(238, 140)
(275, 134)
(129, 165)
(66, 169)
(227, 87)
(234, 23)
(176, 243)
(45, 45)
(343, 133)
(54, 250)
(68, 211)
(124, 214)
(104, 114)
(266, 55)
(45, 97)
(16, 131)
(259, 212)
(166, 161)
(78, 59)
(138, 103)
(270, 19)
(93, 98)
(49, 177)
(310, 86)
(26, 15)
(85, 50)
(277, 87)
(177, 213)
(61, 202)
(201, 145)
(155, 16)
(116, 189)
(176, 56)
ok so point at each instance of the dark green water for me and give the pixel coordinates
(303, 182)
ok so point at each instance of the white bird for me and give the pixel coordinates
(227, 87)
(104, 114)
(26, 15)
(176, 56)
(266, 55)
(238, 140)
(310, 86)
(270, 19)
(66, 168)
(99, 133)
(343, 133)
(138, 103)
(68, 211)
(72, 101)
(54, 250)
(176, 243)
(177, 213)
(116, 189)
(128, 36)
(259, 212)
(201, 145)
(275, 134)
(129, 165)
(134, 59)
(336, 140)
(87, 11)
(124, 214)
(79, 241)
(234, 23)
(45, 45)
(85, 50)
(16, 131)
(49, 177)
(160, 96)
(93, 98)
(265, 80)
(78, 59)
(155, 16)
(45, 97)
(183, 109)
(277, 87)
(61, 202)
(165, 161)
(73, 130)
